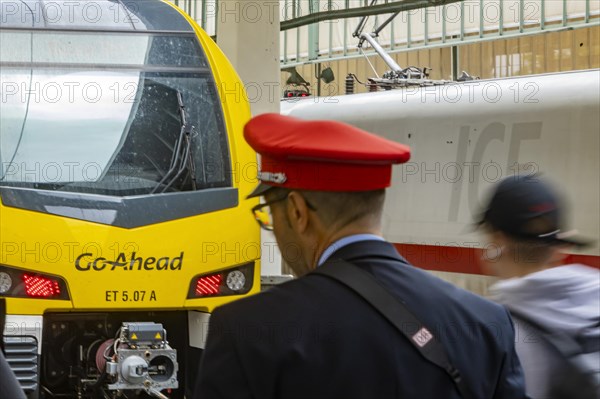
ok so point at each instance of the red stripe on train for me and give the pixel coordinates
(463, 260)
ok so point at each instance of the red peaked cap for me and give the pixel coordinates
(320, 155)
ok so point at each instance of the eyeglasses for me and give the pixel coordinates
(262, 213)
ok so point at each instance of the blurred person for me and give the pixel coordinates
(315, 337)
(9, 385)
(556, 307)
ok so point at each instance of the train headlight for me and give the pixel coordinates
(5, 282)
(17, 283)
(236, 280)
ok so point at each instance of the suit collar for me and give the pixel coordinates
(367, 249)
(342, 242)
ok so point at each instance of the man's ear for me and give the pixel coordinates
(298, 212)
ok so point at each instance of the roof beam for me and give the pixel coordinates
(387, 8)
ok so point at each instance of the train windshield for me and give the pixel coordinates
(100, 112)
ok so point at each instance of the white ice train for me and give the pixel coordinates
(464, 137)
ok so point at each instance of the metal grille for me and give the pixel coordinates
(21, 354)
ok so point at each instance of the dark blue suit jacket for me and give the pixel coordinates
(314, 338)
(9, 386)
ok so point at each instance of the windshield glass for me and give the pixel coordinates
(99, 113)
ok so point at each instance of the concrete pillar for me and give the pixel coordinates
(248, 34)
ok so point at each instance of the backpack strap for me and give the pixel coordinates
(365, 285)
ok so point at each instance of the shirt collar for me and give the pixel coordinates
(342, 242)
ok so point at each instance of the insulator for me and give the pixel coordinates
(349, 84)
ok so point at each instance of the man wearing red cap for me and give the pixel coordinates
(359, 322)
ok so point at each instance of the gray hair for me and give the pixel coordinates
(344, 208)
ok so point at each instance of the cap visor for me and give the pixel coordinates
(259, 190)
(571, 238)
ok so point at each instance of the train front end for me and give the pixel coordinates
(123, 173)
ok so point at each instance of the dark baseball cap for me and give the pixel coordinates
(527, 207)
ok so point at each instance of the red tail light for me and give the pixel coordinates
(41, 287)
(208, 285)
(18, 283)
(234, 281)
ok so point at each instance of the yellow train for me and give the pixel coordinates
(123, 174)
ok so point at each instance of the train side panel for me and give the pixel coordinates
(465, 137)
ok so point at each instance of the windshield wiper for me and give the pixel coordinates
(182, 158)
